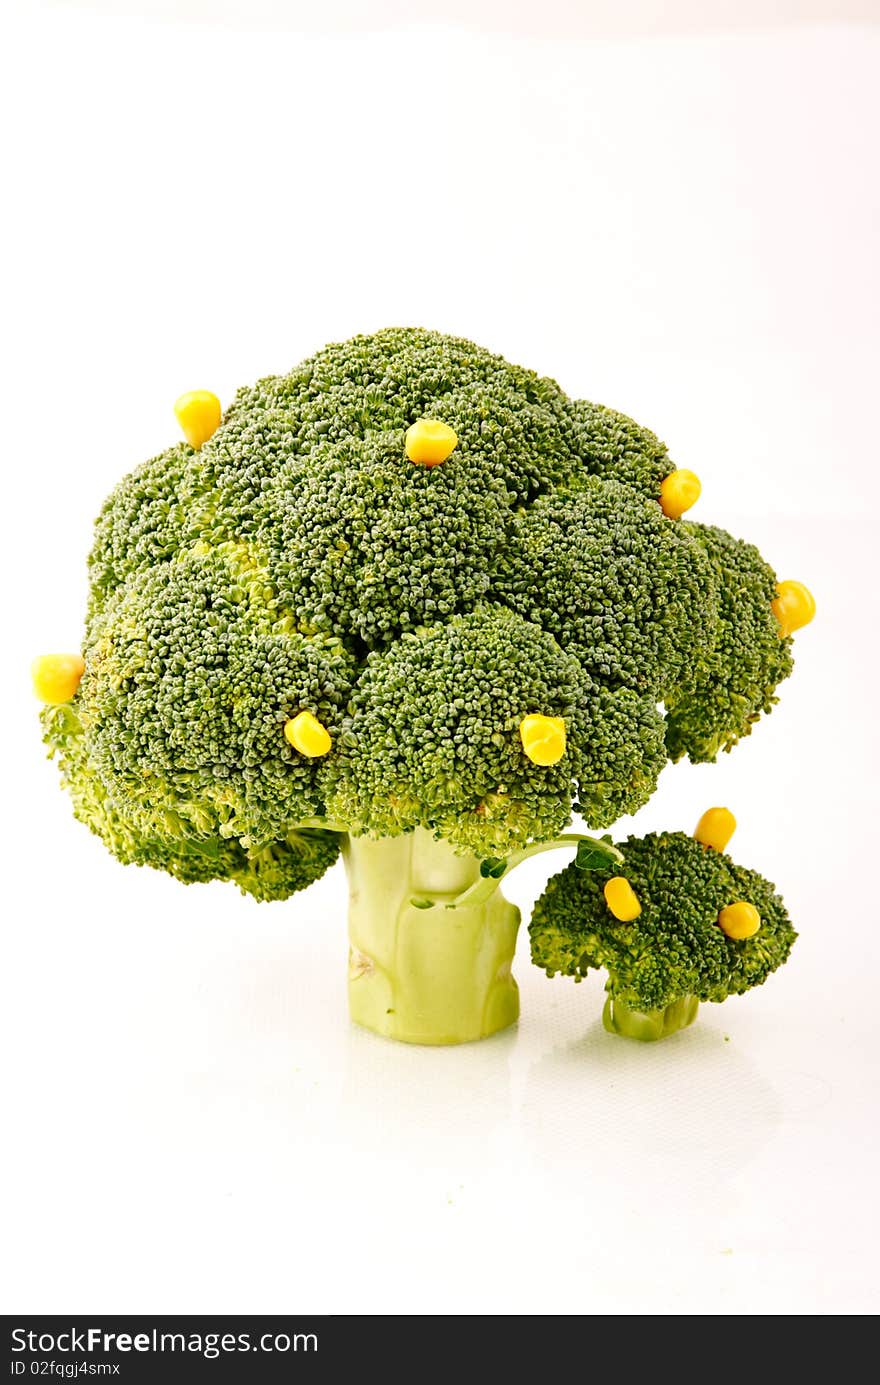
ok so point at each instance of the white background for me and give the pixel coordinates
(672, 214)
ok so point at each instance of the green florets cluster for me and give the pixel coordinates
(433, 734)
(735, 681)
(433, 738)
(368, 549)
(615, 448)
(299, 561)
(632, 594)
(675, 948)
(141, 525)
(192, 672)
(274, 871)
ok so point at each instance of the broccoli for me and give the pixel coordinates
(633, 596)
(699, 928)
(725, 692)
(410, 604)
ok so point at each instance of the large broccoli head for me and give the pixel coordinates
(302, 563)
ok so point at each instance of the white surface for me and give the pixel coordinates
(680, 226)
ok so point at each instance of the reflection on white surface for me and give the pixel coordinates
(190, 1094)
(611, 1106)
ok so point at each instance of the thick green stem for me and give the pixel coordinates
(420, 971)
(648, 1025)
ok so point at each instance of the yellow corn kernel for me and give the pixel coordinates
(429, 442)
(307, 735)
(739, 920)
(678, 492)
(794, 606)
(622, 899)
(543, 738)
(198, 414)
(715, 828)
(56, 676)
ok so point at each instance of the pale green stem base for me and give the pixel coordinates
(648, 1025)
(433, 975)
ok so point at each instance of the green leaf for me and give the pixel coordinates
(590, 856)
(493, 866)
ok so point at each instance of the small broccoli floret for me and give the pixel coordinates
(433, 739)
(617, 751)
(280, 869)
(186, 691)
(737, 680)
(273, 871)
(614, 447)
(141, 524)
(515, 431)
(675, 950)
(364, 543)
(624, 588)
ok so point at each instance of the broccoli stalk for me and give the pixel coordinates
(411, 602)
(419, 969)
(648, 1025)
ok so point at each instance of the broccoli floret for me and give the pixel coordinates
(364, 544)
(617, 751)
(675, 952)
(514, 431)
(517, 432)
(432, 737)
(193, 672)
(272, 871)
(624, 588)
(721, 701)
(410, 602)
(617, 448)
(281, 868)
(141, 524)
